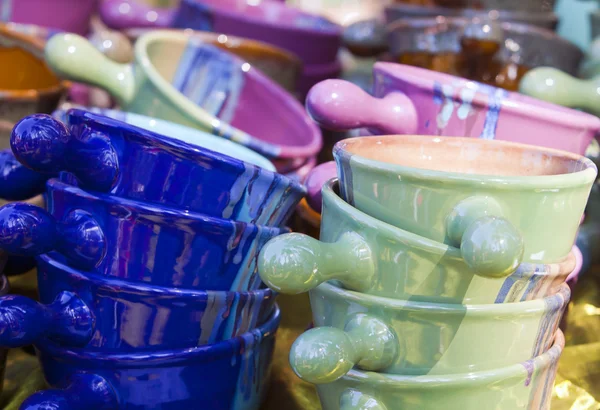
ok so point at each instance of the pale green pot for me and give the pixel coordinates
(524, 386)
(413, 338)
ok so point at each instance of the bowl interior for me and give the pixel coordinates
(464, 155)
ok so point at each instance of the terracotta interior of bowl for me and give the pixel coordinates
(21, 69)
(221, 84)
(464, 155)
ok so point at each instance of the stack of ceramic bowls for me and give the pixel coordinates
(147, 263)
(180, 77)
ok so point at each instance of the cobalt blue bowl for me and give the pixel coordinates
(231, 375)
(132, 240)
(111, 156)
(84, 310)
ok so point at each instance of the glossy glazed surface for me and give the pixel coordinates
(123, 14)
(355, 250)
(67, 15)
(18, 183)
(84, 310)
(110, 236)
(314, 39)
(449, 106)
(412, 338)
(105, 155)
(526, 386)
(231, 375)
(4, 289)
(445, 188)
(181, 78)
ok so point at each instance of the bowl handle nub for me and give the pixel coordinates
(489, 244)
(44, 144)
(325, 354)
(24, 321)
(83, 391)
(17, 182)
(355, 400)
(296, 263)
(28, 230)
(557, 87)
(73, 57)
(339, 105)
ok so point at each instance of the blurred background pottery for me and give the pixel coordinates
(27, 84)
(124, 14)
(65, 15)
(512, 5)
(79, 309)
(182, 79)
(342, 12)
(239, 369)
(525, 385)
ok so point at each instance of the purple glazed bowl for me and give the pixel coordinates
(409, 100)
(66, 15)
(124, 14)
(314, 39)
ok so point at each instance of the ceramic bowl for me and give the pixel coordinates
(306, 221)
(448, 105)
(124, 14)
(558, 87)
(4, 289)
(519, 47)
(314, 39)
(545, 19)
(106, 155)
(131, 240)
(441, 189)
(343, 12)
(64, 15)
(28, 85)
(414, 338)
(276, 63)
(526, 385)
(85, 310)
(355, 250)
(233, 374)
(181, 78)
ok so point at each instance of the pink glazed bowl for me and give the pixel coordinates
(411, 100)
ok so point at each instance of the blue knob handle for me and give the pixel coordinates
(83, 391)
(24, 321)
(18, 182)
(28, 230)
(44, 144)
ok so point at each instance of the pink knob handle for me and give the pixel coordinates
(339, 105)
(315, 181)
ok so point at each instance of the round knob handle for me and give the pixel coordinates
(296, 263)
(44, 144)
(555, 86)
(29, 230)
(17, 182)
(83, 391)
(339, 105)
(24, 321)
(314, 183)
(325, 354)
(355, 400)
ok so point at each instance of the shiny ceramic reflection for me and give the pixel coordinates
(414, 338)
(411, 100)
(124, 14)
(106, 155)
(27, 85)
(181, 78)
(65, 15)
(470, 193)
(175, 131)
(131, 240)
(84, 310)
(558, 87)
(526, 385)
(370, 256)
(231, 375)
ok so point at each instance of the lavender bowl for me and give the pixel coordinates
(124, 14)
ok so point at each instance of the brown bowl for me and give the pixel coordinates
(27, 85)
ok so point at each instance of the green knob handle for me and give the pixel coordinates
(354, 400)
(73, 57)
(555, 86)
(325, 354)
(489, 244)
(296, 263)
